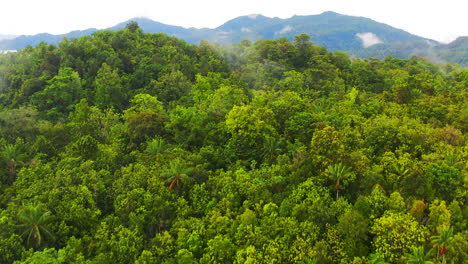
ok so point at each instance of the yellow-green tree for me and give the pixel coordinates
(395, 234)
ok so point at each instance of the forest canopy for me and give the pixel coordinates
(131, 147)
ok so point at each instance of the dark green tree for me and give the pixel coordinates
(177, 174)
(340, 175)
(13, 157)
(62, 92)
(443, 241)
(109, 89)
(34, 221)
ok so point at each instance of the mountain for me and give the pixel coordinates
(148, 25)
(24, 41)
(359, 36)
(331, 30)
(454, 52)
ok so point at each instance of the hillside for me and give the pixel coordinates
(131, 147)
(329, 29)
(358, 36)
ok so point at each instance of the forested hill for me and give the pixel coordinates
(359, 36)
(131, 147)
(329, 29)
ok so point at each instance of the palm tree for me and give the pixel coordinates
(34, 221)
(271, 148)
(442, 241)
(157, 146)
(452, 159)
(418, 256)
(337, 173)
(376, 258)
(311, 260)
(177, 174)
(400, 170)
(13, 158)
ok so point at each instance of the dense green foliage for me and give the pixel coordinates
(125, 147)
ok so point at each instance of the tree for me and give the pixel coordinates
(48, 255)
(439, 216)
(249, 127)
(220, 250)
(171, 86)
(109, 88)
(177, 174)
(34, 220)
(340, 175)
(210, 58)
(157, 146)
(13, 157)
(443, 241)
(144, 103)
(120, 244)
(303, 50)
(445, 180)
(223, 99)
(21, 122)
(395, 234)
(450, 135)
(376, 258)
(86, 147)
(132, 26)
(145, 125)
(354, 228)
(272, 147)
(188, 126)
(417, 256)
(62, 91)
(326, 147)
(145, 118)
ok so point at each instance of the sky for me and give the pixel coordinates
(439, 20)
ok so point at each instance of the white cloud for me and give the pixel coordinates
(247, 30)
(253, 16)
(6, 51)
(3, 37)
(286, 29)
(369, 39)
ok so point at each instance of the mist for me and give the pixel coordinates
(369, 39)
(286, 29)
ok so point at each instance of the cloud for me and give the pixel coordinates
(253, 16)
(7, 51)
(5, 37)
(431, 43)
(369, 39)
(286, 29)
(247, 30)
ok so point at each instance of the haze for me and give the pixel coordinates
(439, 20)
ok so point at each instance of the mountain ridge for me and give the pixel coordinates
(321, 21)
(357, 35)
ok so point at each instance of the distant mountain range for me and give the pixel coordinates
(359, 36)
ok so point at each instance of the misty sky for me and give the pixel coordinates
(439, 20)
